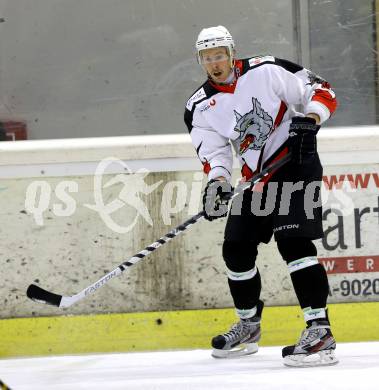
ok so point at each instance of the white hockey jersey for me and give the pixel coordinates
(253, 114)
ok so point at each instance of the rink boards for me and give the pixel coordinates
(55, 234)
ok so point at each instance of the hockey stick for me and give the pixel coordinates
(3, 386)
(38, 294)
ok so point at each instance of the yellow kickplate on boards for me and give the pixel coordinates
(187, 329)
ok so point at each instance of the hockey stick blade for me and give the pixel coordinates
(40, 295)
(3, 386)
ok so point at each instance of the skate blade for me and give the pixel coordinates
(241, 350)
(321, 358)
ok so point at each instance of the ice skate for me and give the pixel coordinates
(315, 347)
(242, 338)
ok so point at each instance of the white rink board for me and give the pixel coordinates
(193, 370)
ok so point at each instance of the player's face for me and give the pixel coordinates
(216, 62)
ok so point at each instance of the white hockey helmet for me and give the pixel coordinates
(214, 37)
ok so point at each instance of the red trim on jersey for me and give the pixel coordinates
(248, 173)
(238, 66)
(206, 167)
(229, 88)
(279, 117)
(326, 99)
(325, 84)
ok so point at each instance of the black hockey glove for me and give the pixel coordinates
(216, 197)
(302, 139)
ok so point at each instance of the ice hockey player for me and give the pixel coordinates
(251, 105)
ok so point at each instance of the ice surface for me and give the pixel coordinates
(190, 370)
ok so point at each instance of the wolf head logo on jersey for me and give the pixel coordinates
(254, 127)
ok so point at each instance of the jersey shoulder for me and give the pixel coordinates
(269, 60)
(204, 92)
(260, 60)
(196, 97)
